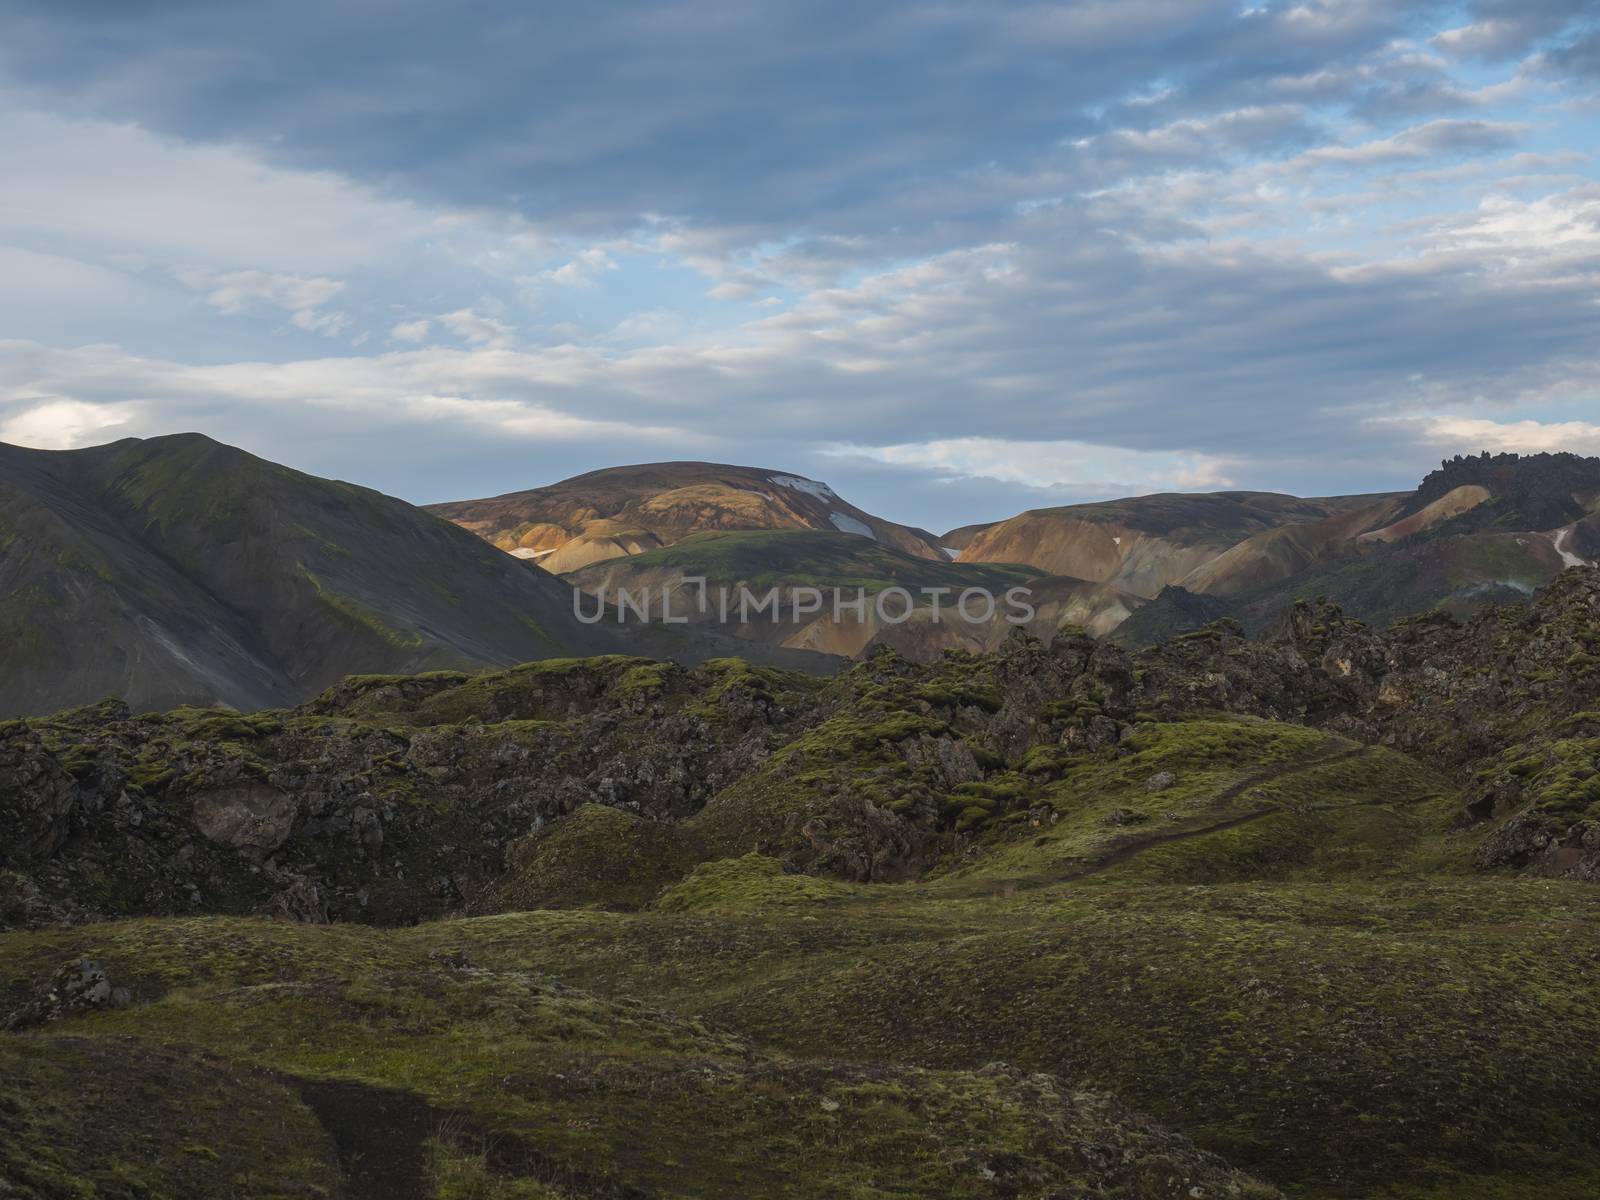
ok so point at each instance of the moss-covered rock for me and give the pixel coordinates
(597, 856)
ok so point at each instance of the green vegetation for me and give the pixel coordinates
(362, 616)
(732, 931)
(596, 857)
(749, 884)
(106, 1116)
(528, 1079)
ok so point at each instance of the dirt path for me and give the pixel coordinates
(380, 1135)
(1120, 854)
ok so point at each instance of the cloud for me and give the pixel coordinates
(1469, 434)
(478, 329)
(236, 292)
(582, 270)
(70, 394)
(985, 243)
(1443, 138)
(327, 324)
(63, 424)
(1256, 129)
(830, 110)
(1068, 467)
(411, 331)
(1580, 57)
(1505, 29)
(120, 195)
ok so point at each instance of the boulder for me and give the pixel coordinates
(75, 987)
(246, 816)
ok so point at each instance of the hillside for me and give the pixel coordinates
(1143, 543)
(790, 560)
(1314, 904)
(179, 570)
(1480, 530)
(620, 511)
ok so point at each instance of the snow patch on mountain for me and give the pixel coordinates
(1568, 558)
(847, 524)
(809, 486)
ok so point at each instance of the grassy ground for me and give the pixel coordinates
(1263, 937)
(1380, 1038)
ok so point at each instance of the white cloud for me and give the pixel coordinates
(411, 331)
(1444, 138)
(236, 292)
(480, 330)
(1564, 225)
(582, 270)
(1256, 127)
(1473, 434)
(120, 195)
(63, 424)
(68, 395)
(330, 324)
(1063, 466)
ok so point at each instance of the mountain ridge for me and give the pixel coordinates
(180, 570)
(617, 511)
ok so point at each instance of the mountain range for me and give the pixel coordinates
(177, 570)
(1480, 530)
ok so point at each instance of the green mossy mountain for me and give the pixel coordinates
(179, 570)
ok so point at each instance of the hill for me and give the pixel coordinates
(1480, 530)
(179, 570)
(628, 510)
(1143, 543)
(791, 560)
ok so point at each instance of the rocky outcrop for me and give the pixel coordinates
(386, 800)
(392, 799)
(37, 795)
(1530, 842)
(251, 816)
(75, 987)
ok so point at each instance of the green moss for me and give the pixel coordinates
(597, 856)
(108, 1117)
(361, 616)
(749, 884)
(525, 1083)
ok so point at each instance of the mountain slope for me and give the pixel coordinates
(1143, 543)
(791, 560)
(620, 511)
(179, 570)
(1480, 530)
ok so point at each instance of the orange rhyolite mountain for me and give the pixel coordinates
(628, 510)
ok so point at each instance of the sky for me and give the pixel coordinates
(957, 259)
